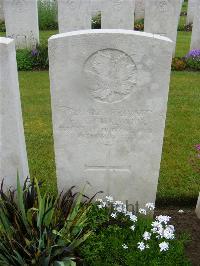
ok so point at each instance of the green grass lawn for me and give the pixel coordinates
(177, 180)
(183, 43)
(37, 124)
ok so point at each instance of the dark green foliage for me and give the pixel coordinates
(36, 59)
(40, 229)
(96, 21)
(47, 12)
(139, 25)
(193, 64)
(2, 26)
(104, 247)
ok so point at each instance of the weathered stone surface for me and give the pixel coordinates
(191, 11)
(195, 41)
(1, 10)
(13, 156)
(74, 15)
(77, 14)
(109, 91)
(21, 18)
(139, 9)
(162, 17)
(117, 14)
(198, 207)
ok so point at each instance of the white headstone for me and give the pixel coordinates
(74, 15)
(13, 156)
(117, 14)
(139, 9)
(109, 91)
(195, 40)
(162, 17)
(191, 10)
(198, 207)
(77, 14)
(1, 11)
(21, 18)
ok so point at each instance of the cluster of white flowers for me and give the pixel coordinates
(142, 246)
(162, 229)
(160, 226)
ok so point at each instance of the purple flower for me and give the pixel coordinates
(194, 54)
(197, 147)
(34, 52)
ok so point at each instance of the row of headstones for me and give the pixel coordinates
(161, 17)
(193, 17)
(109, 93)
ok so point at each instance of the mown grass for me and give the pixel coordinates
(38, 127)
(183, 43)
(177, 179)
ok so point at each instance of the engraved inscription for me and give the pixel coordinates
(110, 75)
(118, 4)
(103, 128)
(163, 5)
(108, 168)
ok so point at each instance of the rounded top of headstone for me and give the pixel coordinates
(4, 40)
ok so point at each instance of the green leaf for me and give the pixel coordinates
(20, 201)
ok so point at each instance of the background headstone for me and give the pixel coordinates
(21, 19)
(198, 207)
(117, 14)
(162, 17)
(13, 156)
(74, 15)
(77, 14)
(139, 9)
(109, 91)
(1, 11)
(191, 11)
(195, 40)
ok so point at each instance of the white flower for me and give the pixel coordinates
(181, 211)
(109, 198)
(113, 215)
(150, 206)
(141, 245)
(132, 227)
(99, 200)
(146, 235)
(133, 218)
(143, 211)
(168, 233)
(147, 246)
(163, 218)
(124, 246)
(164, 246)
(102, 204)
(118, 202)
